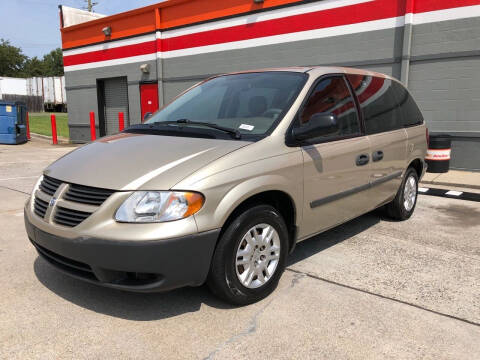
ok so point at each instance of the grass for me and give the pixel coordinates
(40, 124)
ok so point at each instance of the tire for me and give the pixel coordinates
(400, 208)
(225, 275)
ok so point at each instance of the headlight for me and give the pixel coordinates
(159, 206)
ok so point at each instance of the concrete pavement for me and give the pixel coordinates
(455, 178)
(371, 288)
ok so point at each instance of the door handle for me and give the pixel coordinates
(377, 155)
(362, 159)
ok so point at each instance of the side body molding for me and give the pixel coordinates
(355, 190)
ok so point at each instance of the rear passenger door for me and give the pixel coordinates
(384, 128)
(336, 178)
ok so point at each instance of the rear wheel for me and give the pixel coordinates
(402, 207)
(250, 256)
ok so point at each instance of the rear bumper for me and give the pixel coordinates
(142, 266)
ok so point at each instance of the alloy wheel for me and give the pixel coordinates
(410, 193)
(257, 256)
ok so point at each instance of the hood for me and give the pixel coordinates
(138, 161)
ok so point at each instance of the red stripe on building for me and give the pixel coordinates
(352, 14)
(145, 48)
(433, 5)
(347, 15)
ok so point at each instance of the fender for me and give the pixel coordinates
(225, 190)
(218, 208)
(252, 187)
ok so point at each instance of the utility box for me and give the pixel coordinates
(13, 122)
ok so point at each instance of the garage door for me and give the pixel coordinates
(447, 92)
(116, 100)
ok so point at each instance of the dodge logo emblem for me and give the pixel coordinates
(52, 201)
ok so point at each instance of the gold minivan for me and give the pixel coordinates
(219, 185)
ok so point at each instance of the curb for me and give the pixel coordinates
(441, 183)
(46, 138)
(451, 194)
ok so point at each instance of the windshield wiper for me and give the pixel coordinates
(183, 122)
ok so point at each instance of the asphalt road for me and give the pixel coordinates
(368, 289)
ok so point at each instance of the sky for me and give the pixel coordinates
(33, 25)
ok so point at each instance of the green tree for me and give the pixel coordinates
(15, 64)
(12, 60)
(34, 67)
(53, 63)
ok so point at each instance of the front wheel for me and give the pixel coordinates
(250, 256)
(401, 208)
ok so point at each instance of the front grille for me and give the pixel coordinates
(49, 185)
(69, 217)
(40, 207)
(63, 213)
(87, 195)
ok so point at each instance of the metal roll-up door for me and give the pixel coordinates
(446, 91)
(116, 100)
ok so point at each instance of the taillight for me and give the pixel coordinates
(428, 137)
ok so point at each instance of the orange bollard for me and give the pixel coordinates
(93, 134)
(121, 121)
(54, 129)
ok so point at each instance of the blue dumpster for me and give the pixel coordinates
(13, 122)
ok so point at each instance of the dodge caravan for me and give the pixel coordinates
(219, 185)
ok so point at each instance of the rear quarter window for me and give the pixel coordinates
(410, 112)
(377, 102)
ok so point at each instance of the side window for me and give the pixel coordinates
(410, 113)
(378, 103)
(332, 96)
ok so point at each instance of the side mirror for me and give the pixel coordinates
(320, 124)
(147, 116)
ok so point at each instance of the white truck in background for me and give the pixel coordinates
(40, 93)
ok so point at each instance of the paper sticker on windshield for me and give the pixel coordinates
(8, 108)
(246, 127)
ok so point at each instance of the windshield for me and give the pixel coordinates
(251, 103)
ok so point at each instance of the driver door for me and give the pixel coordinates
(337, 163)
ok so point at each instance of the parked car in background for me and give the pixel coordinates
(219, 185)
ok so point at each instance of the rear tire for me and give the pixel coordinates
(250, 256)
(402, 207)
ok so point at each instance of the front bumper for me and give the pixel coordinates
(142, 266)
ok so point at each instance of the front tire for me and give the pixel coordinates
(250, 256)
(402, 207)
